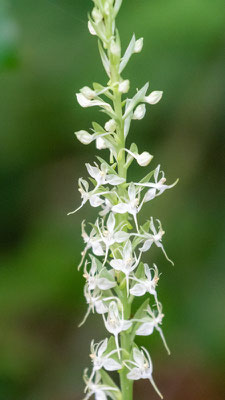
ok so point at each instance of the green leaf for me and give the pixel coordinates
(107, 380)
(147, 177)
(138, 315)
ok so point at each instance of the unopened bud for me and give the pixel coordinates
(124, 86)
(138, 45)
(139, 112)
(110, 126)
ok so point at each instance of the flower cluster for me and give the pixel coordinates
(114, 273)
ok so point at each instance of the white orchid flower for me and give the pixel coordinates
(95, 302)
(154, 237)
(93, 241)
(85, 102)
(139, 112)
(106, 208)
(86, 138)
(115, 322)
(147, 284)
(110, 126)
(110, 234)
(101, 175)
(101, 359)
(142, 367)
(93, 196)
(154, 97)
(103, 279)
(127, 263)
(151, 322)
(142, 159)
(157, 187)
(130, 205)
(96, 388)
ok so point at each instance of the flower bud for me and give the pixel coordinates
(91, 28)
(115, 49)
(124, 86)
(138, 45)
(100, 144)
(154, 97)
(97, 15)
(144, 159)
(110, 126)
(139, 112)
(84, 137)
(88, 93)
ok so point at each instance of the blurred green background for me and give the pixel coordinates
(46, 55)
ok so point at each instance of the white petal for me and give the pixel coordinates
(121, 236)
(138, 45)
(150, 195)
(124, 86)
(145, 329)
(105, 284)
(146, 246)
(139, 112)
(103, 347)
(131, 192)
(144, 159)
(111, 223)
(96, 201)
(138, 290)
(134, 374)
(100, 144)
(154, 97)
(110, 126)
(120, 208)
(138, 356)
(91, 29)
(100, 307)
(84, 137)
(97, 249)
(126, 325)
(111, 365)
(114, 179)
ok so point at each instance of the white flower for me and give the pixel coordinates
(92, 242)
(100, 144)
(142, 159)
(91, 28)
(110, 125)
(130, 204)
(151, 322)
(124, 86)
(85, 101)
(95, 303)
(147, 284)
(115, 322)
(106, 208)
(97, 15)
(154, 97)
(101, 175)
(103, 279)
(156, 238)
(93, 196)
(88, 93)
(110, 235)
(127, 263)
(115, 48)
(157, 187)
(142, 367)
(96, 388)
(138, 45)
(139, 112)
(101, 359)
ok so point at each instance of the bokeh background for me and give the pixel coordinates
(46, 55)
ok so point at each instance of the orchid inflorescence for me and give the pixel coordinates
(114, 244)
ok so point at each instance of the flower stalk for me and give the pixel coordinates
(114, 273)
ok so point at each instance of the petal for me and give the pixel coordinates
(103, 347)
(120, 208)
(154, 97)
(111, 365)
(114, 179)
(105, 284)
(138, 356)
(111, 223)
(134, 374)
(121, 236)
(145, 329)
(138, 290)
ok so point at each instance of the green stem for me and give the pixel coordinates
(125, 342)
